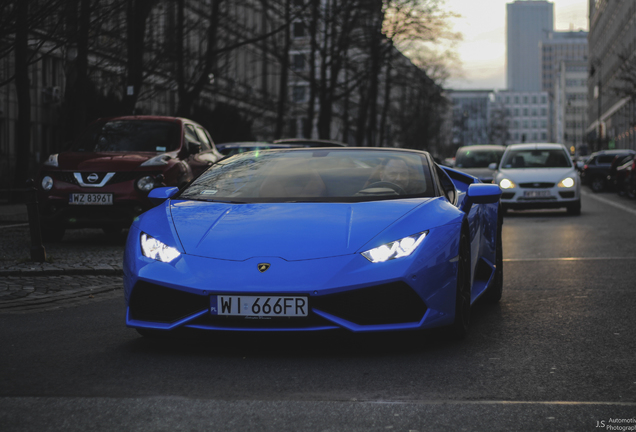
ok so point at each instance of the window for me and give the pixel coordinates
(525, 111)
(525, 99)
(516, 99)
(534, 99)
(534, 112)
(298, 93)
(543, 111)
(299, 30)
(298, 62)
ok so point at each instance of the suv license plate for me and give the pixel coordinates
(90, 199)
(261, 306)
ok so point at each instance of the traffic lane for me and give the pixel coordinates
(602, 230)
(563, 332)
(178, 413)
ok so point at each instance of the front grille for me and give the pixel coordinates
(566, 195)
(121, 177)
(383, 304)
(156, 303)
(66, 177)
(536, 185)
(311, 321)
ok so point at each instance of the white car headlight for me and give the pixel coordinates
(396, 249)
(566, 182)
(507, 184)
(153, 248)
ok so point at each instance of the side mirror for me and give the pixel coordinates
(159, 195)
(194, 147)
(493, 166)
(480, 193)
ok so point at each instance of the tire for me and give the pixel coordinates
(630, 189)
(495, 291)
(52, 234)
(598, 184)
(459, 328)
(574, 209)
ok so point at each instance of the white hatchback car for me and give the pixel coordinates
(538, 176)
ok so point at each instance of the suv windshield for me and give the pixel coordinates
(130, 136)
(527, 158)
(477, 158)
(330, 175)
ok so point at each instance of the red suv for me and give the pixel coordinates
(103, 179)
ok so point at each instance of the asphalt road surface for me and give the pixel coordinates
(558, 353)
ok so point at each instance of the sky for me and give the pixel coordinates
(482, 52)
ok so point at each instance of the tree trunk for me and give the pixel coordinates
(23, 126)
(284, 75)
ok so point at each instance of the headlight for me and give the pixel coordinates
(47, 183)
(146, 184)
(52, 161)
(153, 248)
(566, 183)
(160, 160)
(396, 249)
(507, 184)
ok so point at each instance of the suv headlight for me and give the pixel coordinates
(567, 182)
(396, 249)
(154, 249)
(52, 161)
(160, 160)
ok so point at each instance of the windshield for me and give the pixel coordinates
(329, 175)
(477, 158)
(130, 136)
(528, 158)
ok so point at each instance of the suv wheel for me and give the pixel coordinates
(598, 184)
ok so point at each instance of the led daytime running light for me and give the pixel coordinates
(397, 249)
(154, 249)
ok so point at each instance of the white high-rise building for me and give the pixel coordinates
(528, 23)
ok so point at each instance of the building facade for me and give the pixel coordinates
(528, 23)
(570, 102)
(611, 91)
(526, 115)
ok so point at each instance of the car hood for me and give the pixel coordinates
(291, 231)
(102, 161)
(527, 175)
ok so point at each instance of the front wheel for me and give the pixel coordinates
(459, 329)
(495, 291)
(598, 184)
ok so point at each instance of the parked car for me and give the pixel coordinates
(597, 168)
(476, 159)
(630, 180)
(306, 240)
(621, 165)
(538, 176)
(102, 180)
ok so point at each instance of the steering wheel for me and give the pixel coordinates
(386, 184)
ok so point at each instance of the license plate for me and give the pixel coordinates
(90, 199)
(260, 306)
(536, 194)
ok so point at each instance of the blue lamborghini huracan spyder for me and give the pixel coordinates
(362, 239)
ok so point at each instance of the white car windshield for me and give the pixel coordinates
(536, 158)
(316, 175)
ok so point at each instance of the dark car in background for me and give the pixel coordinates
(103, 179)
(475, 160)
(309, 142)
(597, 168)
(619, 170)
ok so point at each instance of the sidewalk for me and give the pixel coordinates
(86, 266)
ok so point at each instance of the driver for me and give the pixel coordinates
(397, 172)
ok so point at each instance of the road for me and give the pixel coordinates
(558, 353)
